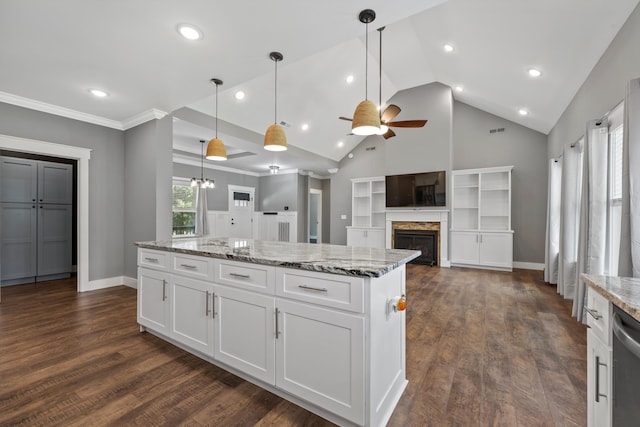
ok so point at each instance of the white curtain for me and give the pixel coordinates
(594, 206)
(571, 195)
(629, 260)
(202, 223)
(552, 244)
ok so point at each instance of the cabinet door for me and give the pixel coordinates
(245, 332)
(55, 183)
(598, 382)
(153, 301)
(19, 240)
(496, 249)
(464, 247)
(356, 237)
(320, 357)
(19, 180)
(54, 239)
(192, 314)
(375, 238)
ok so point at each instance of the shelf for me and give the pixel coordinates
(495, 189)
(466, 186)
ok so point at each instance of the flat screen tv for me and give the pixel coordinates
(416, 190)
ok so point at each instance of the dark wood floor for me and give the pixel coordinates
(483, 348)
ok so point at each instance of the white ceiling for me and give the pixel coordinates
(54, 51)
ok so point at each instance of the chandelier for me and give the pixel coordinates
(202, 182)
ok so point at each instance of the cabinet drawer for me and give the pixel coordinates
(254, 277)
(331, 290)
(598, 314)
(193, 266)
(159, 260)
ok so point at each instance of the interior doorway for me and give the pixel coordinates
(315, 216)
(241, 206)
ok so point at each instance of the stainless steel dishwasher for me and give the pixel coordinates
(626, 369)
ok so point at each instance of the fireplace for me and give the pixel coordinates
(421, 219)
(425, 241)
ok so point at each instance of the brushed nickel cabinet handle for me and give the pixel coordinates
(240, 276)
(151, 259)
(598, 395)
(593, 312)
(277, 332)
(164, 290)
(311, 288)
(213, 300)
(192, 267)
(206, 306)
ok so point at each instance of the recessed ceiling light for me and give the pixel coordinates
(99, 93)
(534, 72)
(304, 126)
(340, 144)
(189, 32)
(239, 95)
(523, 112)
(349, 78)
(459, 88)
(447, 48)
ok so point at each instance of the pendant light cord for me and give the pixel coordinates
(202, 161)
(380, 82)
(366, 60)
(216, 110)
(275, 95)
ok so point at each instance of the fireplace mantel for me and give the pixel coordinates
(421, 215)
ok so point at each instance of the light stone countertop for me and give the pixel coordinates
(622, 291)
(335, 259)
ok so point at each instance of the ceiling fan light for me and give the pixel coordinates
(383, 129)
(366, 119)
(216, 150)
(275, 138)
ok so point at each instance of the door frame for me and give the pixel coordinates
(318, 192)
(251, 191)
(82, 155)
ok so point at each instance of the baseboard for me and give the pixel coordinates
(529, 265)
(109, 282)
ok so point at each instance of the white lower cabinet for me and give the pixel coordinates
(599, 388)
(153, 302)
(192, 313)
(245, 331)
(320, 357)
(365, 237)
(482, 249)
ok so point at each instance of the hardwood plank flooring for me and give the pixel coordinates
(484, 348)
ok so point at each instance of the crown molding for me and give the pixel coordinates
(178, 158)
(32, 104)
(143, 117)
(59, 111)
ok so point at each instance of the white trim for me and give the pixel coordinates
(44, 107)
(539, 266)
(179, 158)
(83, 155)
(110, 282)
(145, 116)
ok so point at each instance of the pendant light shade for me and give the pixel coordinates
(216, 149)
(366, 118)
(275, 138)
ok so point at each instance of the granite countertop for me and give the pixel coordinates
(336, 259)
(622, 291)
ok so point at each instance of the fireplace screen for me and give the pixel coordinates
(425, 241)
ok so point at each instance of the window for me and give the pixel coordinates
(184, 208)
(615, 188)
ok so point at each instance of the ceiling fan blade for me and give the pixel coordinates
(408, 123)
(345, 118)
(388, 134)
(389, 113)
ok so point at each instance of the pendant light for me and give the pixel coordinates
(202, 182)
(216, 149)
(274, 138)
(366, 118)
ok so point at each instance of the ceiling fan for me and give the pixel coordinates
(391, 111)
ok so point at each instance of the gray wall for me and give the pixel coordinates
(326, 211)
(218, 198)
(278, 191)
(147, 194)
(106, 178)
(411, 150)
(303, 208)
(526, 150)
(603, 89)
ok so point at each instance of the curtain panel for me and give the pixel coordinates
(552, 243)
(202, 222)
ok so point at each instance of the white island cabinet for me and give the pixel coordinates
(288, 317)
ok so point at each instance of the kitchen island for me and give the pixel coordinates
(320, 325)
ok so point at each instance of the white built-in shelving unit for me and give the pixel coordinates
(367, 212)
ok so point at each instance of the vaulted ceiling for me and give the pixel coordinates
(53, 52)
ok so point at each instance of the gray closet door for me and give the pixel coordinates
(19, 240)
(54, 239)
(55, 183)
(19, 181)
